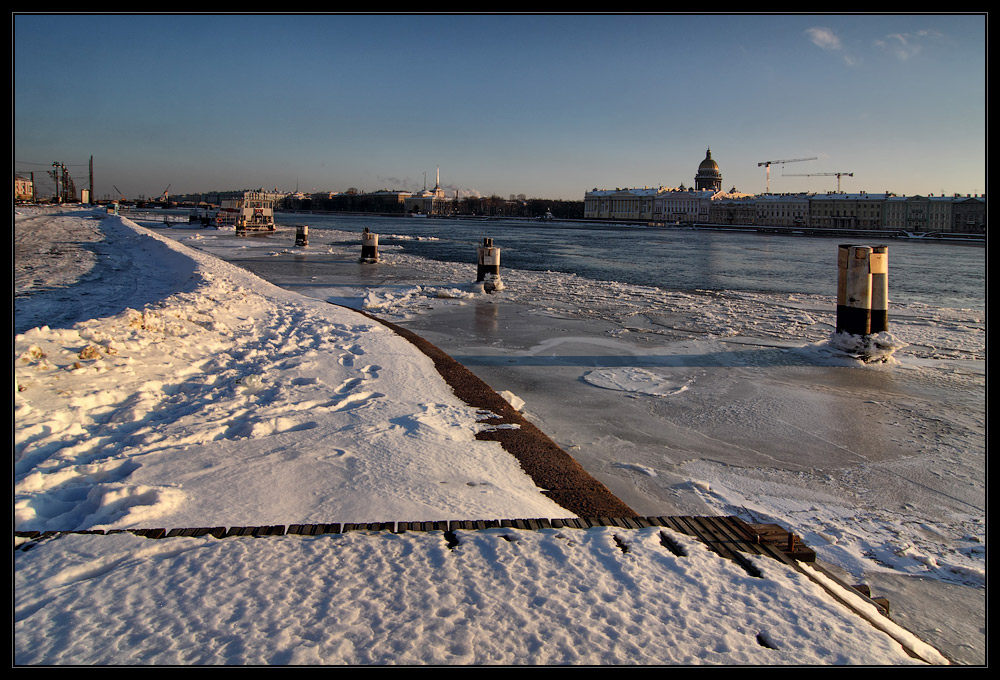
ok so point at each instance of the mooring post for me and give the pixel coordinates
(879, 266)
(489, 260)
(369, 246)
(302, 235)
(854, 290)
(488, 270)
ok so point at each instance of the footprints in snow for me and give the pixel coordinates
(351, 355)
(340, 457)
(349, 393)
(367, 373)
(354, 400)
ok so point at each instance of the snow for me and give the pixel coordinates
(157, 385)
(180, 412)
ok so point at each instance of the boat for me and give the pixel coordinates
(253, 211)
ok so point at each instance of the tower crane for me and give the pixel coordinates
(767, 166)
(824, 174)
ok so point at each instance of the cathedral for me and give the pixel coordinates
(660, 204)
(708, 178)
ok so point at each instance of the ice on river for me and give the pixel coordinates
(742, 403)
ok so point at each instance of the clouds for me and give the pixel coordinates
(826, 39)
(901, 45)
(905, 46)
(823, 38)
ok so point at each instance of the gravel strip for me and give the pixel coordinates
(559, 476)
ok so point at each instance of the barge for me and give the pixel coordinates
(254, 211)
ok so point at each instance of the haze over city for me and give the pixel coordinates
(543, 105)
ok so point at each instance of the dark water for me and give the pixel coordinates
(942, 274)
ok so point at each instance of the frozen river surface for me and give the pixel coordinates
(715, 400)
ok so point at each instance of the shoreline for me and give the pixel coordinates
(558, 474)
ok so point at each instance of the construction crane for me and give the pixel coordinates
(767, 166)
(824, 174)
(121, 196)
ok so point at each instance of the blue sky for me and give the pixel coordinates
(545, 105)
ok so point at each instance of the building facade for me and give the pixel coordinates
(968, 215)
(782, 210)
(920, 213)
(24, 189)
(708, 204)
(682, 207)
(620, 204)
(733, 211)
(428, 202)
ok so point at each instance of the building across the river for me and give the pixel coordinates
(706, 203)
(662, 204)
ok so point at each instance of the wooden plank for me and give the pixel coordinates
(732, 533)
(736, 543)
(764, 547)
(151, 533)
(711, 537)
(780, 538)
(670, 544)
(215, 532)
(672, 523)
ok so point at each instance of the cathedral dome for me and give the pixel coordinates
(708, 176)
(708, 166)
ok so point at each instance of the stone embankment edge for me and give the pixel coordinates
(558, 474)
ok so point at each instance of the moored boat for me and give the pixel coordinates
(254, 211)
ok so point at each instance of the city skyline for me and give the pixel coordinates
(548, 106)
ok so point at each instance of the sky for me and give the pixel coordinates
(549, 106)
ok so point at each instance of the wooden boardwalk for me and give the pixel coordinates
(729, 537)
